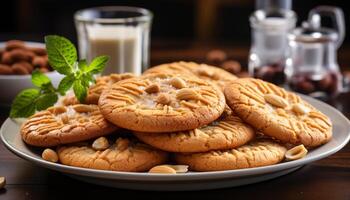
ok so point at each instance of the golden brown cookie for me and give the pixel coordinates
(255, 154)
(124, 155)
(203, 71)
(278, 113)
(162, 103)
(227, 132)
(96, 89)
(65, 124)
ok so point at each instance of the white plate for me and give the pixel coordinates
(190, 181)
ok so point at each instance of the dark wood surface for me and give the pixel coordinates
(325, 179)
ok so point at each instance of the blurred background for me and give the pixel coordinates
(181, 28)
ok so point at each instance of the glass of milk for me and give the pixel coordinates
(122, 33)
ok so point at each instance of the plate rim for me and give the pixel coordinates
(236, 173)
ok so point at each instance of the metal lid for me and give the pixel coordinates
(309, 35)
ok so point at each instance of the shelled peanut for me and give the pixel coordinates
(17, 58)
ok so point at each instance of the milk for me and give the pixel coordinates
(121, 43)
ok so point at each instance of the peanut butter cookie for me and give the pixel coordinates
(65, 124)
(203, 71)
(123, 155)
(162, 103)
(95, 90)
(278, 113)
(255, 154)
(227, 132)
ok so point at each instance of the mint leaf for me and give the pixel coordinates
(62, 54)
(46, 100)
(83, 66)
(80, 91)
(39, 79)
(65, 84)
(97, 65)
(24, 103)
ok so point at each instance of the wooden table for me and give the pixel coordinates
(325, 179)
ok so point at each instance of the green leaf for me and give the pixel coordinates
(80, 91)
(83, 66)
(24, 103)
(46, 100)
(97, 65)
(65, 84)
(39, 79)
(62, 53)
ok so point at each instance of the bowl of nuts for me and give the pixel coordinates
(17, 61)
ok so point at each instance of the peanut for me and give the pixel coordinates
(162, 169)
(296, 153)
(14, 44)
(39, 62)
(300, 109)
(100, 144)
(82, 108)
(7, 58)
(50, 155)
(122, 144)
(2, 182)
(5, 69)
(179, 168)
(19, 69)
(204, 72)
(57, 109)
(275, 100)
(163, 99)
(25, 65)
(187, 94)
(153, 88)
(21, 55)
(177, 82)
(38, 51)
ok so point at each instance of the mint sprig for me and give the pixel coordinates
(63, 58)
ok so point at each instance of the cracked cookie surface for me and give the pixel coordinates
(255, 154)
(95, 90)
(278, 113)
(226, 132)
(162, 103)
(203, 71)
(124, 155)
(65, 124)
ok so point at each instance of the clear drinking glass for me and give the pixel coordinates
(122, 33)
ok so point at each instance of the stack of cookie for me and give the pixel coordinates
(177, 115)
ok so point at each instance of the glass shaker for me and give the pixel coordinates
(270, 25)
(313, 68)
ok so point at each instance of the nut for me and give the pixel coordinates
(153, 88)
(7, 58)
(296, 153)
(25, 65)
(100, 144)
(179, 168)
(57, 109)
(216, 56)
(300, 109)
(5, 69)
(43, 70)
(122, 144)
(64, 119)
(19, 69)
(82, 108)
(21, 55)
(163, 99)
(187, 94)
(162, 169)
(49, 155)
(2, 182)
(14, 44)
(39, 61)
(38, 51)
(275, 100)
(204, 72)
(231, 66)
(178, 82)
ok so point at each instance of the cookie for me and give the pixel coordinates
(227, 132)
(162, 103)
(278, 113)
(123, 155)
(65, 124)
(203, 71)
(96, 89)
(255, 154)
